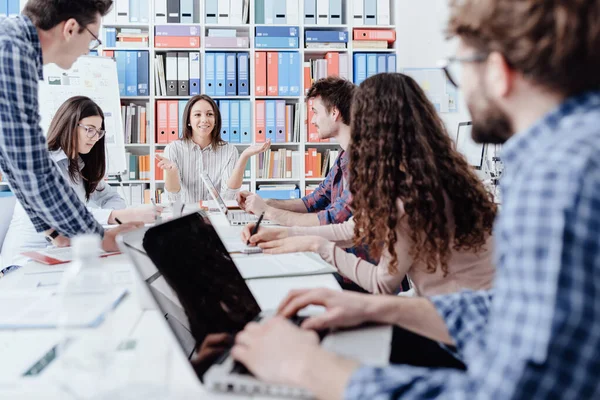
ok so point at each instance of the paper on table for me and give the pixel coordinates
(293, 264)
(42, 310)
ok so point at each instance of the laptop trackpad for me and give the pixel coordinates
(370, 345)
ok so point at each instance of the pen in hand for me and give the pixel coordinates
(255, 230)
(118, 221)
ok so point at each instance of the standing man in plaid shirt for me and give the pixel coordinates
(530, 78)
(330, 202)
(49, 31)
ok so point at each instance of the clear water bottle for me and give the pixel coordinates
(88, 344)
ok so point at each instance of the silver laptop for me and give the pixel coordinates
(235, 217)
(189, 257)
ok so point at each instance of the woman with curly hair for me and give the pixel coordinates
(417, 203)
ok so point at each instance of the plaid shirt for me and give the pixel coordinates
(48, 199)
(542, 340)
(331, 200)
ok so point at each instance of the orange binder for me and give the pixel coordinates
(307, 170)
(307, 78)
(272, 74)
(173, 120)
(333, 63)
(146, 196)
(143, 124)
(108, 53)
(162, 122)
(388, 35)
(259, 121)
(319, 158)
(188, 42)
(260, 73)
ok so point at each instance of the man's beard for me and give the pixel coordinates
(490, 123)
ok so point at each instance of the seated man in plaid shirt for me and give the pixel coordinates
(330, 202)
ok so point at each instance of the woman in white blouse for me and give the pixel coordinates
(76, 145)
(202, 150)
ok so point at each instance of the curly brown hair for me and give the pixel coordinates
(400, 150)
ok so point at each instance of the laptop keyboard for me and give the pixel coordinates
(239, 368)
(243, 217)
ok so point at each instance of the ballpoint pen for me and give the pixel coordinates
(255, 230)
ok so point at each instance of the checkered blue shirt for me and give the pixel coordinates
(36, 182)
(331, 200)
(540, 338)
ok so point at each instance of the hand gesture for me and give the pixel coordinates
(165, 163)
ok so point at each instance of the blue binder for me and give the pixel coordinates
(234, 121)
(371, 65)
(326, 36)
(121, 58)
(220, 74)
(181, 105)
(14, 7)
(391, 63)
(110, 34)
(209, 74)
(224, 108)
(212, 12)
(294, 73)
(277, 31)
(131, 78)
(134, 10)
(284, 194)
(270, 120)
(381, 63)
(283, 73)
(231, 74)
(280, 121)
(245, 122)
(142, 73)
(259, 9)
(243, 84)
(4, 8)
(194, 73)
(276, 42)
(360, 68)
(279, 12)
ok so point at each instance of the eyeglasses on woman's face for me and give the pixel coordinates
(91, 131)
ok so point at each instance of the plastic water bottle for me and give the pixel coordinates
(85, 352)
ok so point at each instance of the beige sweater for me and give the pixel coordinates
(466, 270)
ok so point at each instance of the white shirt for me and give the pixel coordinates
(192, 161)
(22, 236)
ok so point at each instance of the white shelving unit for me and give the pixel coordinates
(151, 147)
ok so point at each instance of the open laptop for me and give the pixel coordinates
(235, 217)
(187, 255)
(474, 152)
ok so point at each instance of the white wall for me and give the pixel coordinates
(421, 42)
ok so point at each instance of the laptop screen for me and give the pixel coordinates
(474, 152)
(214, 193)
(195, 264)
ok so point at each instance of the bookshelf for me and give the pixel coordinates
(305, 54)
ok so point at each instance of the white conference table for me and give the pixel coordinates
(151, 365)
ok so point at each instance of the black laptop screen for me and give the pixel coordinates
(191, 257)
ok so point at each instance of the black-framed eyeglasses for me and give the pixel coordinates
(91, 131)
(452, 65)
(94, 43)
